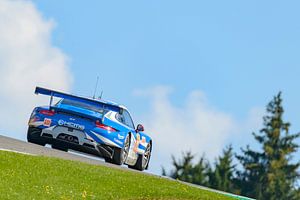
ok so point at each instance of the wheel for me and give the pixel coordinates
(143, 160)
(108, 160)
(120, 154)
(61, 148)
(34, 136)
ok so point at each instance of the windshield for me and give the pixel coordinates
(82, 105)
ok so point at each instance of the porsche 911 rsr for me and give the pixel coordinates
(92, 126)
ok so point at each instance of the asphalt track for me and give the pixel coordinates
(14, 145)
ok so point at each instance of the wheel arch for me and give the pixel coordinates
(130, 137)
(150, 142)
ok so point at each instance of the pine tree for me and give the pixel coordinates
(297, 191)
(270, 174)
(185, 170)
(200, 170)
(222, 176)
(163, 171)
(248, 180)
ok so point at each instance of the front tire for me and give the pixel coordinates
(34, 136)
(143, 160)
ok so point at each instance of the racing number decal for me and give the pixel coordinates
(137, 142)
(143, 140)
(47, 122)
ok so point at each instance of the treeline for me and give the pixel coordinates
(269, 174)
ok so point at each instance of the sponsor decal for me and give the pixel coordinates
(47, 122)
(121, 137)
(118, 141)
(70, 124)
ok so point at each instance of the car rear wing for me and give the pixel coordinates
(100, 103)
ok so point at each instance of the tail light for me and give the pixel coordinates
(47, 112)
(102, 126)
(32, 120)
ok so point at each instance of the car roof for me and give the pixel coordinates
(108, 102)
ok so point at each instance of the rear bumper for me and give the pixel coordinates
(69, 145)
(77, 145)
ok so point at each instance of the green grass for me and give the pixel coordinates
(37, 177)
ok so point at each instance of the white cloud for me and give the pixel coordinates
(252, 123)
(195, 126)
(27, 59)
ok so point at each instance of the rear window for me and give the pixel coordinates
(83, 105)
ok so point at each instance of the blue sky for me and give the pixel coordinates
(235, 54)
(239, 53)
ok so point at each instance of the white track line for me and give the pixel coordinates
(9, 150)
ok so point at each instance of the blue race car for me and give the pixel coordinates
(92, 126)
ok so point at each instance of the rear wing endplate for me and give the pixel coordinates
(53, 93)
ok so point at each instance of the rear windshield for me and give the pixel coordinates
(82, 105)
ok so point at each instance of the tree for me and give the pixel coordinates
(270, 174)
(163, 171)
(185, 170)
(222, 176)
(200, 171)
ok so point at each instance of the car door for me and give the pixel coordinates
(133, 155)
(126, 120)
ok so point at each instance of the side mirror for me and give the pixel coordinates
(139, 128)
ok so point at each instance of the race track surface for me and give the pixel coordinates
(11, 144)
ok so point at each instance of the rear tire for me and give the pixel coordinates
(34, 136)
(143, 160)
(120, 154)
(57, 147)
(108, 160)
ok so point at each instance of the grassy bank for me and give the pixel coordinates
(35, 177)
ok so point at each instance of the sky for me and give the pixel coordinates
(197, 74)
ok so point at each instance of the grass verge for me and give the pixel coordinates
(38, 177)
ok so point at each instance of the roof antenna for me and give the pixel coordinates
(100, 97)
(96, 87)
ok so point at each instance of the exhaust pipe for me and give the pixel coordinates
(70, 138)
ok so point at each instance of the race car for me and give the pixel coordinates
(91, 126)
